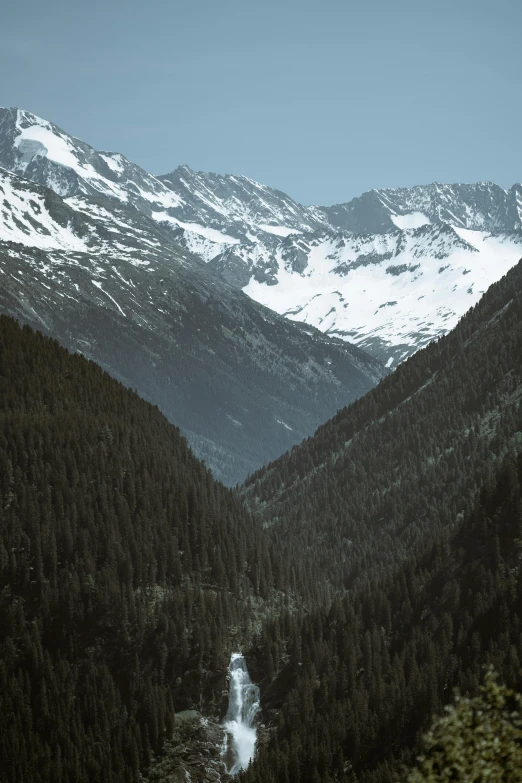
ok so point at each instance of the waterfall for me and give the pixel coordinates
(239, 723)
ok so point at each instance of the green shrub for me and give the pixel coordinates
(478, 739)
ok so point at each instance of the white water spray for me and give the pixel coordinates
(240, 720)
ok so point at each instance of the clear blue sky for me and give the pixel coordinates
(321, 99)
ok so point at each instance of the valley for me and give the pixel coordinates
(260, 470)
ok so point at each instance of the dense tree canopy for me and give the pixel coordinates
(383, 568)
(409, 457)
(410, 499)
(357, 683)
(127, 573)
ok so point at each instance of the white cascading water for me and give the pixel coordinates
(240, 720)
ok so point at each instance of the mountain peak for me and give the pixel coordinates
(185, 168)
(392, 263)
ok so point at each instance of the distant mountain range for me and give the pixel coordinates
(109, 259)
(480, 207)
(364, 573)
(389, 271)
(82, 258)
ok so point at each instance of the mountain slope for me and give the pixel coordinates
(127, 573)
(389, 271)
(238, 205)
(243, 383)
(409, 458)
(359, 680)
(42, 152)
(390, 294)
(207, 208)
(483, 207)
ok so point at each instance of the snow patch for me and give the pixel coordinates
(204, 231)
(99, 286)
(24, 218)
(279, 231)
(113, 161)
(411, 220)
(54, 147)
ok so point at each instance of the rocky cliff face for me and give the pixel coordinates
(193, 753)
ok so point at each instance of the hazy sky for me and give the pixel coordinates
(321, 99)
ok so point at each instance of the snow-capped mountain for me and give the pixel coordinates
(36, 216)
(204, 210)
(239, 206)
(408, 265)
(388, 293)
(389, 270)
(483, 207)
(243, 383)
(40, 151)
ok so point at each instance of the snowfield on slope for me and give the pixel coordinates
(389, 270)
(401, 292)
(25, 219)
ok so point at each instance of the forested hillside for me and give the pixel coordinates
(260, 452)
(356, 685)
(127, 573)
(409, 458)
(386, 572)
(92, 256)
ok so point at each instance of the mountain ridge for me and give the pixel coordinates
(437, 426)
(366, 271)
(241, 382)
(483, 205)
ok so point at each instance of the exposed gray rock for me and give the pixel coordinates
(192, 754)
(484, 206)
(243, 383)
